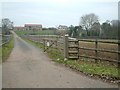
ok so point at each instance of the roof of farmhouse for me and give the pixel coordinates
(33, 24)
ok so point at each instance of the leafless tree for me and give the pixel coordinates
(86, 21)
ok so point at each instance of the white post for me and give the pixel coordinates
(66, 46)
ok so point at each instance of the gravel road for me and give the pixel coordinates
(29, 67)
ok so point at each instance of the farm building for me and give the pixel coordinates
(62, 27)
(33, 27)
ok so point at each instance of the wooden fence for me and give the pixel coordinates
(71, 47)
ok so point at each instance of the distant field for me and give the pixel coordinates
(43, 32)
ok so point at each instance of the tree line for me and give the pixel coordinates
(90, 27)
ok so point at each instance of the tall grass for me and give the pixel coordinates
(7, 48)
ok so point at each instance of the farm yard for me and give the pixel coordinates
(35, 66)
(94, 58)
(60, 44)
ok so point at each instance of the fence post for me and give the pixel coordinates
(78, 49)
(66, 46)
(96, 52)
(44, 44)
(56, 44)
(118, 53)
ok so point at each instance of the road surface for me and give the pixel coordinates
(0, 76)
(29, 67)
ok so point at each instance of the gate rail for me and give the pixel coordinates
(74, 49)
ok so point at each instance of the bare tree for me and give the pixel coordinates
(87, 21)
(6, 25)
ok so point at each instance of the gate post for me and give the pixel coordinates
(119, 54)
(66, 46)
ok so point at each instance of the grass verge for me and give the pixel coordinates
(0, 55)
(7, 48)
(105, 72)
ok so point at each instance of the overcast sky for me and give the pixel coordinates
(51, 13)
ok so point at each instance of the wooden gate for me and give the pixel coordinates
(48, 43)
(73, 49)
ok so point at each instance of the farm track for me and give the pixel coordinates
(29, 67)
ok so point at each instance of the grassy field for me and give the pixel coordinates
(104, 71)
(6, 49)
(44, 32)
